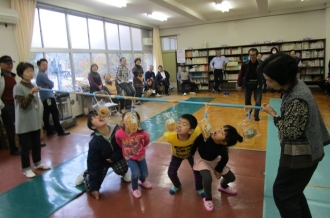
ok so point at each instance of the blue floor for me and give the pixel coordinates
(318, 190)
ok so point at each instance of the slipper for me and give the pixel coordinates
(145, 184)
(136, 193)
(208, 205)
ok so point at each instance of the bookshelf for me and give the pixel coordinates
(311, 53)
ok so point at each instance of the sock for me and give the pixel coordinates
(202, 193)
(174, 190)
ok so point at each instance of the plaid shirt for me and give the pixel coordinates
(122, 74)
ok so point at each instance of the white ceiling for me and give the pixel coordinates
(189, 12)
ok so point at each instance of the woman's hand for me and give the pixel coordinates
(100, 87)
(268, 109)
(109, 160)
(34, 90)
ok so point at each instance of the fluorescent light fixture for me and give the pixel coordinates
(222, 6)
(157, 16)
(116, 3)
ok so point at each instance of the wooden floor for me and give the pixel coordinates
(219, 116)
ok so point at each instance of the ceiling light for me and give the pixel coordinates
(222, 6)
(157, 16)
(117, 3)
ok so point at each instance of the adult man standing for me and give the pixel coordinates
(48, 100)
(184, 77)
(251, 80)
(217, 65)
(151, 75)
(122, 77)
(7, 106)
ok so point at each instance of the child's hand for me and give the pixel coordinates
(217, 174)
(96, 195)
(109, 160)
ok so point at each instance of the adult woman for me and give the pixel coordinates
(302, 135)
(138, 78)
(110, 87)
(94, 79)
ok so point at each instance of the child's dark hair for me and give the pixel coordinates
(191, 119)
(138, 117)
(232, 136)
(21, 67)
(89, 120)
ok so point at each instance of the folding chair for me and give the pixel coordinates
(106, 99)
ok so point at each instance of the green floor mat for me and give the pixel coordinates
(318, 190)
(155, 125)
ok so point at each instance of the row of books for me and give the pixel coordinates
(312, 63)
(312, 54)
(200, 80)
(201, 87)
(266, 48)
(290, 46)
(237, 58)
(197, 60)
(226, 51)
(231, 76)
(196, 53)
(310, 78)
(312, 71)
(311, 45)
(199, 68)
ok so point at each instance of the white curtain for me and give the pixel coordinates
(24, 29)
(157, 49)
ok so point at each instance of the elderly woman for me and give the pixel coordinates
(302, 135)
(111, 88)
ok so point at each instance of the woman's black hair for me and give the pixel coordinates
(93, 66)
(137, 59)
(138, 117)
(274, 48)
(21, 67)
(232, 136)
(281, 68)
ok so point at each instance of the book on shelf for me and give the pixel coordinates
(266, 48)
(202, 60)
(196, 53)
(312, 71)
(238, 58)
(290, 46)
(233, 76)
(198, 68)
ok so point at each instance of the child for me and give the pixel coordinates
(110, 87)
(133, 147)
(148, 88)
(27, 119)
(211, 155)
(182, 141)
(103, 153)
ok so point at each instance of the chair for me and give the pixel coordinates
(97, 101)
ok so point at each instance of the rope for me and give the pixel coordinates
(155, 99)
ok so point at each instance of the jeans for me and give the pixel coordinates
(51, 109)
(30, 141)
(182, 85)
(139, 171)
(257, 98)
(288, 191)
(218, 78)
(128, 88)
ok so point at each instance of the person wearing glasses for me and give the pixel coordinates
(251, 80)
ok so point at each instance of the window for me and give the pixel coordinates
(137, 40)
(125, 38)
(169, 43)
(112, 36)
(78, 32)
(82, 65)
(36, 38)
(53, 29)
(34, 57)
(114, 63)
(96, 34)
(59, 70)
(101, 61)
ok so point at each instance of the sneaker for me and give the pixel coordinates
(80, 179)
(228, 190)
(136, 193)
(42, 166)
(184, 94)
(208, 205)
(171, 87)
(29, 174)
(127, 177)
(192, 93)
(138, 103)
(158, 95)
(145, 184)
(173, 190)
(201, 193)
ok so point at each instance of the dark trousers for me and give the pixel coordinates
(154, 86)
(138, 91)
(129, 90)
(8, 119)
(192, 85)
(218, 78)
(173, 172)
(165, 83)
(288, 191)
(324, 86)
(257, 98)
(30, 141)
(120, 101)
(51, 108)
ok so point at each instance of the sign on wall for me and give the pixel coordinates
(180, 56)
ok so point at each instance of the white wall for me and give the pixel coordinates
(288, 27)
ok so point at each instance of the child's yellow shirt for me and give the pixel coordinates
(181, 149)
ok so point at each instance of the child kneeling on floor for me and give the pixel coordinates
(182, 141)
(103, 153)
(211, 155)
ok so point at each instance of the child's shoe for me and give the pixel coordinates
(29, 174)
(127, 177)
(136, 193)
(228, 190)
(208, 205)
(201, 193)
(42, 166)
(80, 179)
(174, 190)
(145, 184)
